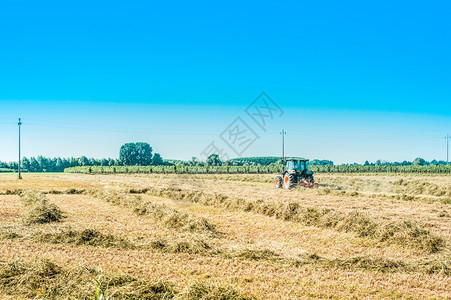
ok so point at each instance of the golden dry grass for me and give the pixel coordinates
(151, 229)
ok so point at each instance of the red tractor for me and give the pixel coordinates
(295, 173)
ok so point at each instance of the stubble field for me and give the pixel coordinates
(163, 236)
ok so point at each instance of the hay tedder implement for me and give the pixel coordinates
(295, 173)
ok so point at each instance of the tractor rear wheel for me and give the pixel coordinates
(278, 182)
(289, 181)
(310, 179)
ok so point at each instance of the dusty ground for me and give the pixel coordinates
(213, 230)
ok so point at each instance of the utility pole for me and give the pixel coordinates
(20, 123)
(283, 133)
(447, 147)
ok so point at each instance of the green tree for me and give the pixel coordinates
(419, 161)
(193, 162)
(13, 165)
(43, 163)
(213, 160)
(25, 162)
(127, 154)
(157, 160)
(135, 154)
(73, 162)
(83, 161)
(144, 154)
(94, 162)
(34, 165)
(59, 165)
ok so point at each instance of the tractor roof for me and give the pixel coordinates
(296, 158)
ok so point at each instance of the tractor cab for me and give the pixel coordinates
(298, 166)
(295, 172)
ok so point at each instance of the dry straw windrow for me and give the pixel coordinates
(405, 233)
(39, 209)
(166, 215)
(355, 222)
(47, 280)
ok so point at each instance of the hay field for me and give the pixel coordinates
(156, 236)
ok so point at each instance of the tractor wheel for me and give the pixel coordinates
(310, 179)
(278, 182)
(289, 181)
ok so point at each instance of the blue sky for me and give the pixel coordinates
(355, 80)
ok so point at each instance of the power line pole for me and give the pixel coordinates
(20, 123)
(283, 133)
(447, 147)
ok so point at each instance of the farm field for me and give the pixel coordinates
(207, 236)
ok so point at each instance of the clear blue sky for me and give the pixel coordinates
(356, 80)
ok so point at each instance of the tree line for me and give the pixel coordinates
(416, 162)
(130, 154)
(141, 154)
(58, 164)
